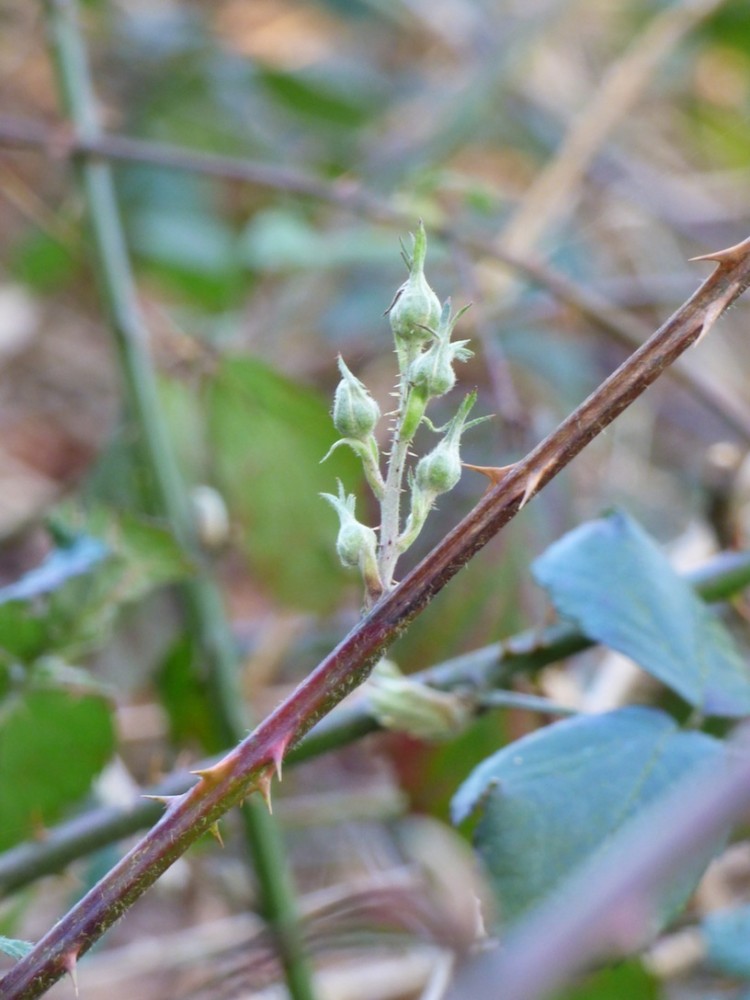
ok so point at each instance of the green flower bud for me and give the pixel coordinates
(356, 543)
(440, 470)
(432, 372)
(354, 538)
(355, 412)
(407, 706)
(415, 306)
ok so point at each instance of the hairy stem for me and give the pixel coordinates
(390, 508)
(245, 768)
(206, 615)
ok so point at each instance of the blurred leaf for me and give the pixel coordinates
(186, 698)
(23, 633)
(268, 436)
(611, 579)
(78, 615)
(727, 938)
(334, 102)
(14, 948)
(53, 742)
(552, 800)
(186, 240)
(279, 240)
(60, 565)
(625, 981)
(43, 263)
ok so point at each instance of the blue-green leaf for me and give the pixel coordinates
(553, 800)
(14, 948)
(611, 578)
(59, 566)
(726, 934)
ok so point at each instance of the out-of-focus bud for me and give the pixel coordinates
(211, 517)
(399, 703)
(355, 412)
(416, 308)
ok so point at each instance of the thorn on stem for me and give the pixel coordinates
(495, 473)
(166, 800)
(263, 784)
(69, 963)
(731, 255)
(213, 775)
(277, 755)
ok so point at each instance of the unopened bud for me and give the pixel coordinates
(211, 517)
(355, 412)
(399, 703)
(440, 470)
(432, 372)
(356, 543)
(416, 308)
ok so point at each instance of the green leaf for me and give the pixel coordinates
(552, 800)
(726, 934)
(332, 102)
(53, 742)
(23, 634)
(627, 980)
(268, 436)
(186, 698)
(612, 580)
(44, 263)
(14, 948)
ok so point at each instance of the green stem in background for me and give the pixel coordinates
(206, 615)
(480, 672)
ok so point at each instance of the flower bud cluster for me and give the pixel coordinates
(426, 355)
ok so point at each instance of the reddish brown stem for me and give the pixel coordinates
(250, 765)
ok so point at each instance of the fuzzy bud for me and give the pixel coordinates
(432, 373)
(407, 706)
(415, 306)
(356, 542)
(355, 412)
(440, 470)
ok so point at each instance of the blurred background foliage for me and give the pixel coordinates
(449, 111)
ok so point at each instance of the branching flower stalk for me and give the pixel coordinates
(422, 334)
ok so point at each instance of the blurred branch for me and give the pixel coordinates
(606, 906)
(251, 765)
(62, 143)
(207, 621)
(552, 191)
(474, 674)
